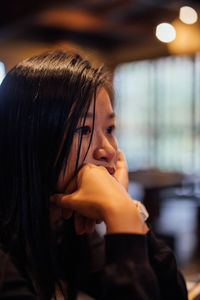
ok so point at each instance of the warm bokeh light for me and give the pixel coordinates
(187, 38)
(188, 15)
(165, 32)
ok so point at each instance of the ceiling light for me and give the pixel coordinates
(165, 32)
(188, 15)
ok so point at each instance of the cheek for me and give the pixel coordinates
(84, 148)
(115, 147)
(114, 143)
(68, 171)
(65, 175)
(89, 158)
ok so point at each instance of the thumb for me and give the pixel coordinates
(63, 200)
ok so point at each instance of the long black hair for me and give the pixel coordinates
(41, 101)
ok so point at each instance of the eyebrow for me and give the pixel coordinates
(109, 116)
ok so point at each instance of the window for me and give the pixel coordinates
(2, 71)
(158, 107)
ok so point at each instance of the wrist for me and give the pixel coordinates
(124, 220)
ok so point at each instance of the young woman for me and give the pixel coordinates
(61, 173)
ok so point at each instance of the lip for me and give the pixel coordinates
(110, 170)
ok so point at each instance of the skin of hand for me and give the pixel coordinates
(100, 197)
(121, 175)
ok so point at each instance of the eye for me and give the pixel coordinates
(85, 130)
(110, 129)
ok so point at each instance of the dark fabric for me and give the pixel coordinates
(131, 267)
(163, 262)
(128, 274)
(12, 284)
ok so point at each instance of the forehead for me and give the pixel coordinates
(103, 103)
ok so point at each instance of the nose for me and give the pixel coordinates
(105, 151)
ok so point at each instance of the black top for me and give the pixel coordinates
(122, 267)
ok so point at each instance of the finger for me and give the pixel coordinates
(85, 169)
(79, 223)
(120, 155)
(67, 213)
(82, 171)
(55, 213)
(89, 226)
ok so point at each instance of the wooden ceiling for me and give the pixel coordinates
(122, 30)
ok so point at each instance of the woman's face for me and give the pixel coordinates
(103, 148)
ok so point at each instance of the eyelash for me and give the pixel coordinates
(85, 130)
(110, 129)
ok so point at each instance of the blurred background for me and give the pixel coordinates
(156, 75)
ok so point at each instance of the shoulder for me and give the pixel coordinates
(12, 284)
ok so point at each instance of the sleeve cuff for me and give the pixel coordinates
(120, 247)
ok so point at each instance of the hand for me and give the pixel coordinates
(81, 224)
(121, 172)
(100, 197)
